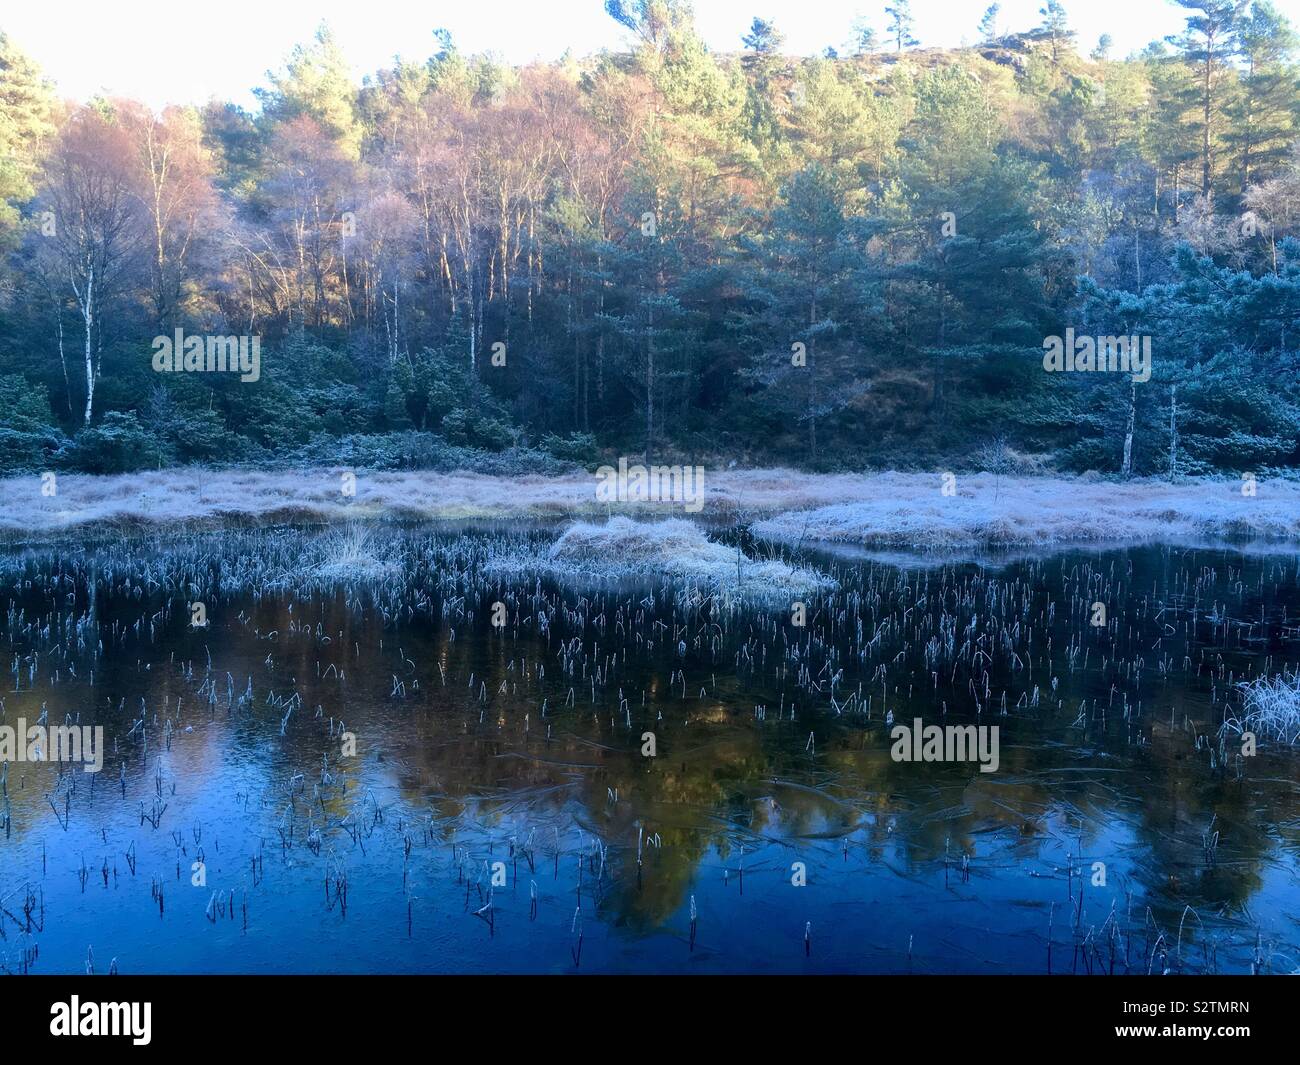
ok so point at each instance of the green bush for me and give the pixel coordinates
(410, 450)
(118, 444)
(28, 435)
(24, 451)
(580, 448)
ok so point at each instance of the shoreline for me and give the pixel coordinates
(883, 510)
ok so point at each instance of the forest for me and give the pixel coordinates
(846, 261)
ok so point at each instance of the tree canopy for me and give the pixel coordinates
(829, 261)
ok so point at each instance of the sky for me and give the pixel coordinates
(165, 51)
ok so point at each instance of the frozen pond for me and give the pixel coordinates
(504, 810)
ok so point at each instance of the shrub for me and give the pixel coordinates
(28, 436)
(411, 450)
(22, 451)
(580, 448)
(118, 444)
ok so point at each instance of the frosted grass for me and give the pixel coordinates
(910, 511)
(676, 549)
(878, 510)
(1271, 708)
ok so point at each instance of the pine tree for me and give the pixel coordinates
(1056, 25)
(863, 40)
(317, 82)
(801, 291)
(900, 24)
(27, 112)
(1175, 132)
(988, 27)
(1263, 115)
(1210, 45)
(763, 44)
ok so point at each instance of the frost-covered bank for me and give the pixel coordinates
(912, 510)
(872, 509)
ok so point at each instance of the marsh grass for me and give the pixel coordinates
(677, 549)
(883, 509)
(1271, 708)
(354, 553)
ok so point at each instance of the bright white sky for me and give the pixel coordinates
(165, 51)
